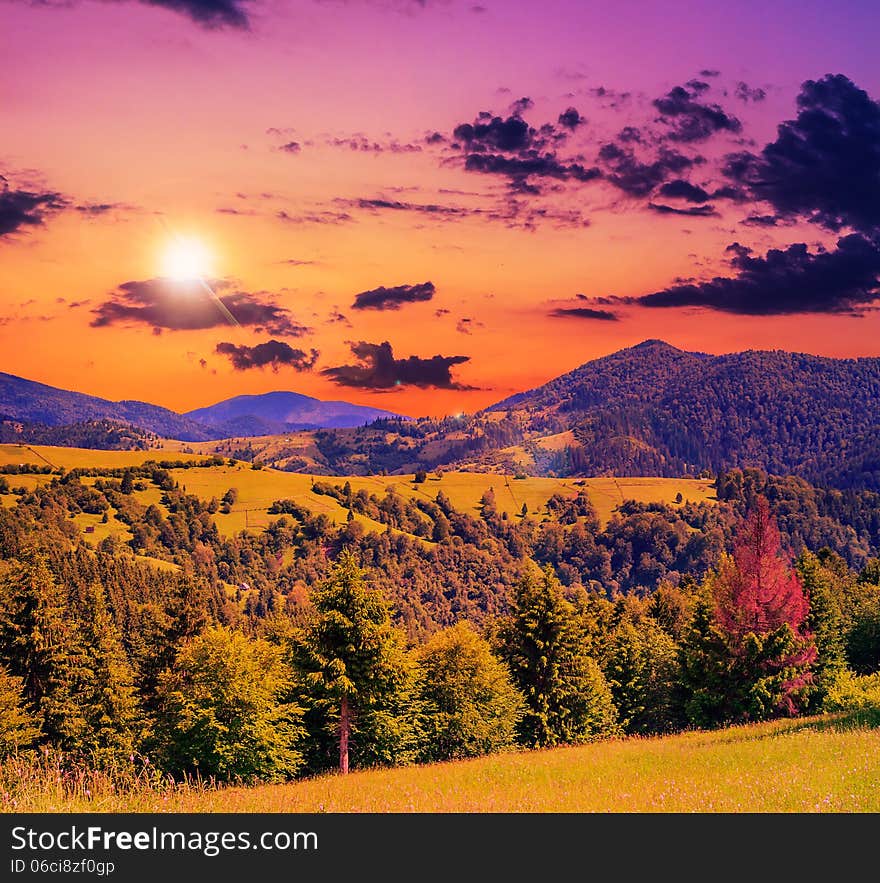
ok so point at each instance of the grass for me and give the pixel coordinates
(824, 764)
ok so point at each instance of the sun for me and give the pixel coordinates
(186, 258)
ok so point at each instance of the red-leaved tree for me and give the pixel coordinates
(761, 608)
(759, 590)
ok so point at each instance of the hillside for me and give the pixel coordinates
(277, 412)
(827, 764)
(34, 402)
(651, 410)
(654, 409)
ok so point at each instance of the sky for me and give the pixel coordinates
(427, 205)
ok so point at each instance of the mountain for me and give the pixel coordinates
(655, 409)
(278, 412)
(33, 402)
(648, 410)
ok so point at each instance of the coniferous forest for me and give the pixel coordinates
(310, 647)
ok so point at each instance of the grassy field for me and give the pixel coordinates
(828, 764)
(259, 488)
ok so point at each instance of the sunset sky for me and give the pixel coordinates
(427, 206)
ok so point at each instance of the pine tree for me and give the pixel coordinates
(18, 727)
(351, 652)
(567, 697)
(37, 645)
(104, 690)
(825, 623)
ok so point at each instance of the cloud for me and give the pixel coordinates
(291, 147)
(824, 165)
(383, 298)
(691, 120)
(583, 313)
(746, 93)
(274, 354)
(210, 14)
(693, 211)
(362, 144)
(400, 206)
(571, 118)
(465, 325)
(179, 305)
(785, 282)
(25, 208)
(679, 189)
(377, 369)
(636, 177)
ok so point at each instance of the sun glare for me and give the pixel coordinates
(186, 259)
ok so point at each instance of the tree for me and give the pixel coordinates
(37, 645)
(351, 652)
(642, 670)
(105, 682)
(18, 727)
(126, 486)
(471, 706)
(825, 623)
(223, 710)
(567, 697)
(762, 609)
(420, 477)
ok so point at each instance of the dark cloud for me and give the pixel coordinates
(694, 211)
(785, 282)
(291, 147)
(400, 206)
(521, 105)
(362, 144)
(465, 325)
(25, 208)
(583, 313)
(377, 369)
(520, 169)
(274, 354)
(824, 165)
(709, 72)
(494, 133)
(393, 298)
(636, 177)
(571, 119)
(321, 216)
(690, 119)
(746, 93)
(180, 305)
(211, 14)
(96, 209)
(679, 189)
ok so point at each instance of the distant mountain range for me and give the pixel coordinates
(275, 412)
(651, 409)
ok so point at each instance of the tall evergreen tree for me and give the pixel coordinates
(37, 645)
(567, 697)
(18, 727)
(104, 688)
(825, 623)
(351, 652)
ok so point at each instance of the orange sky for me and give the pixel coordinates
(140, 108)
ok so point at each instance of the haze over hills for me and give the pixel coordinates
(277, 412)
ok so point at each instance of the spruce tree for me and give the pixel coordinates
(567, 697)
(18, 727)
(37, 644)
(352, 654)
